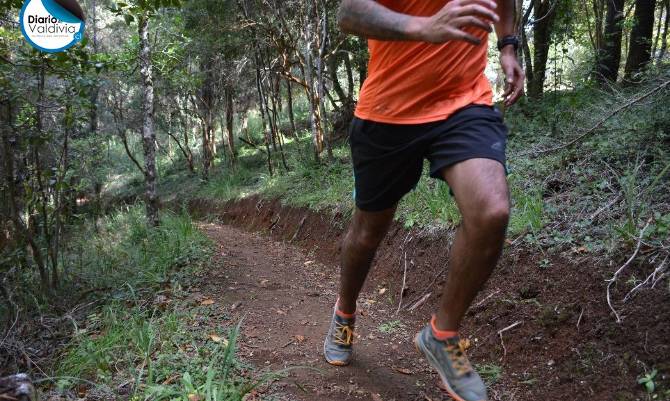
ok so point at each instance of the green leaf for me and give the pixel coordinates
(128, 18)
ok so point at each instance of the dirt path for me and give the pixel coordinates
(286, 298)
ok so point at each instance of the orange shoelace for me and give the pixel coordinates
(344, 335)
(456, 352)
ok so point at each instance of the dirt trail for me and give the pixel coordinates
(285, 297)
(276, 268)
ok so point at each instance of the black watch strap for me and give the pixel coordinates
(509, 40)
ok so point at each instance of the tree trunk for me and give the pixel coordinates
(317, 133)
(148, 134)
(609, 55)
(350, 78)
(362, 62)
(289, 106)
(639, 49)
(657, 36)
(321, 87)
(333, 64)
(544, 15)
(664, 36)
(229, 124)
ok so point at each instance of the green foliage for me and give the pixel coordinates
(391, 326)
(648, 381)
(161, 345)
(489, 372)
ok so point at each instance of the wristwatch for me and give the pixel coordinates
(509, 40)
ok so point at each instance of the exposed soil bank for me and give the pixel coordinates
(563, 342)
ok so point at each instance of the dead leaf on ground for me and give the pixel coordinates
(404, 371)
(382, 291)
(300, 339)
(218, 339)
(194, 397)
(207, 301)
(281, 312)
(376, 397)
(309, 262)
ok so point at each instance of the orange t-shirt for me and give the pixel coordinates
(417, 82)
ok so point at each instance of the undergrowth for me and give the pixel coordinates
(146, 341)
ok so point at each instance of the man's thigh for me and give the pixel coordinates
(478, 185)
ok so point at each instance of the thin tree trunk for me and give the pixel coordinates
(664, 39)
(229, 124)
(261, 104)
(333, 64)
(362, 64)
(9, 143)
(321, 90)
(148, 134)
(317, 134)
(350, 78)
(289, 106)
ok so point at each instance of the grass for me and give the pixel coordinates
(146, 340)
(490, 373)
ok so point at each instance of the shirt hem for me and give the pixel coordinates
(412, 120)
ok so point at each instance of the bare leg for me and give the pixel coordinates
(482, 196)
(366, 231)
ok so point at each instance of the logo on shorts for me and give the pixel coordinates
(52, 25)
(497, 146)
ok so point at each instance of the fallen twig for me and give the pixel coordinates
(419, 302)
(621, 269)
(402, 288)
(486, 298)
(501, 331)
(606, 207)
(302, 223)
(579, 319)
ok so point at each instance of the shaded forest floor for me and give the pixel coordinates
(562, 343)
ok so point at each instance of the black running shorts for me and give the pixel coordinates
(388, 158)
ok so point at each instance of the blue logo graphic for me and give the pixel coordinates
(52, 25)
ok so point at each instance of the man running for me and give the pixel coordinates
(426, 96)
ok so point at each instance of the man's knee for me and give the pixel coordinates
(366, 237)
(491, 215)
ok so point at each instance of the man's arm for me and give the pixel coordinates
(514, 75)
(372, 20)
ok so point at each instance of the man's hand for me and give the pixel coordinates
(372, 20)
(448, 23)
(514, 75)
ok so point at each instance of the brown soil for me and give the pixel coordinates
(277, 268)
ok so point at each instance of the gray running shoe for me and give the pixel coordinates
(337, 348)
(449, 359)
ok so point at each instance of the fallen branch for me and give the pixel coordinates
(653, 277)
(601, 121)
(622, 268)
